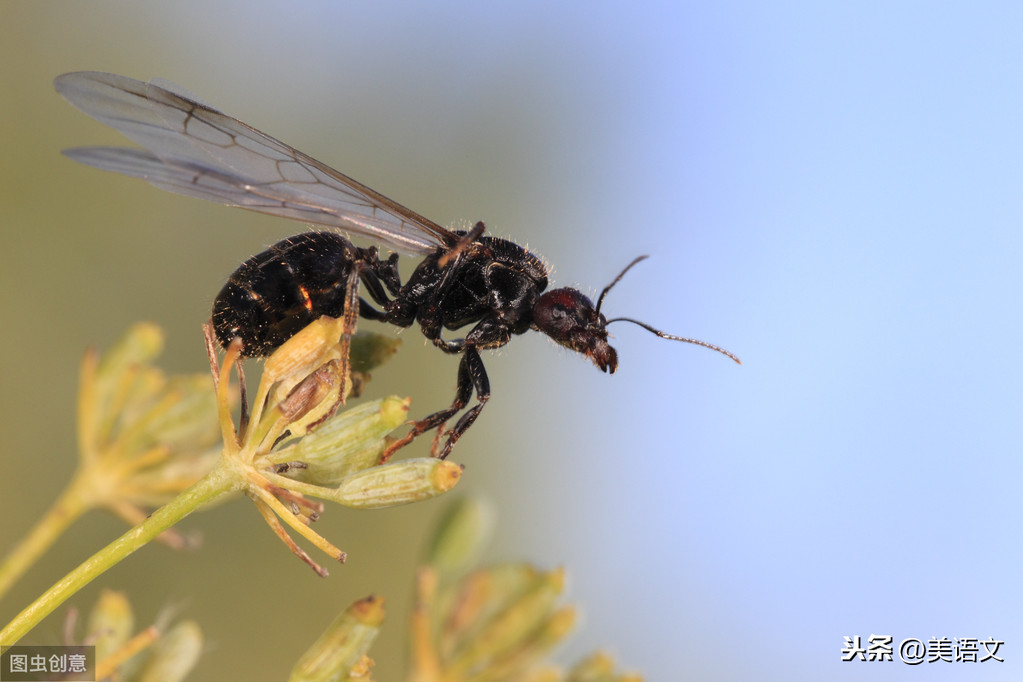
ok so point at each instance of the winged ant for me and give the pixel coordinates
(465, 278)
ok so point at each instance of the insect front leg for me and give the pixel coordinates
(374, 271)
(370, 280)
(373, 286)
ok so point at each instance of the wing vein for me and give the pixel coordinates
(193, 149)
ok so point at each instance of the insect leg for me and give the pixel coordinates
(376, 292)
(368, 312)
(351, 315)
(375, 276)
(373, 286)
(489, 333)
(478, 375)
(466, 381)
(387, 271)
(453, 347)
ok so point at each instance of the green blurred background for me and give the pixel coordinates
(830, 190)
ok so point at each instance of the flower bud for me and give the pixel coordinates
(140, 345)
(409, 480)
(350, 442)
(509, 632)
(174, 654)
(600, 666)
(110, 623)
(182, 419)
(460, 536)
(298, 357)
(484, 593)
(113, 386)
(343, 645)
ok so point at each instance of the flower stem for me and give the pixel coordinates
(220, 481)
(68, 507)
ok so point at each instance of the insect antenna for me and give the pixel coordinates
(672, 337)
(617, 279)
(653, 330)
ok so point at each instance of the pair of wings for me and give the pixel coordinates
(193, 149)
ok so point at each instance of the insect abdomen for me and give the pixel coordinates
(277, 292)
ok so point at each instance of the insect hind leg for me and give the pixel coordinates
(477, 374)
(352, 310)
(471, 376)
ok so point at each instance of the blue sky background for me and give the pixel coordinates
(830, 190)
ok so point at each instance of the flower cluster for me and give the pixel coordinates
(493, 624)
(143, 438)
(291, 449)
(147, 440)
(163, 651)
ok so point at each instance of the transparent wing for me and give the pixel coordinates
(194, 149)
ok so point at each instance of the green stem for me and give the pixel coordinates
(68, 507)
(222, 480)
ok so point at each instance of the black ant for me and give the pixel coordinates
(466, 277)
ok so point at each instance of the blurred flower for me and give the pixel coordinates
(143, 437)
(494, 624)
(158, 653)
(340, 652)
(460, 536)
(497, 623)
